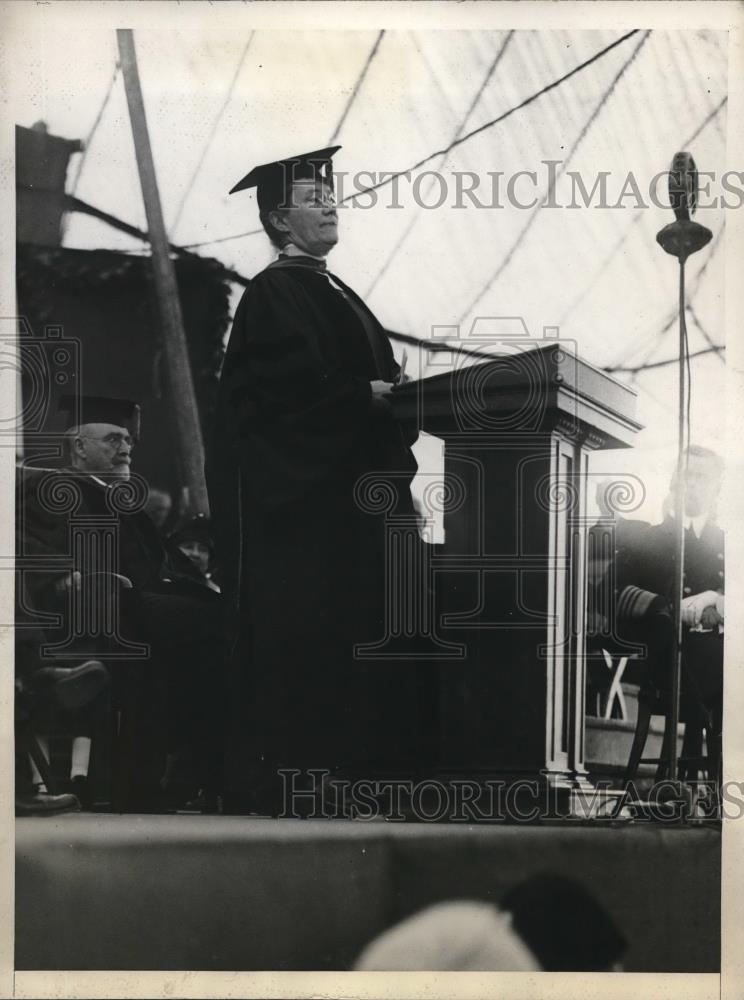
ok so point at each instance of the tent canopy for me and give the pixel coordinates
(523, 249)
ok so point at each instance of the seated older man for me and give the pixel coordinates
(159, 602)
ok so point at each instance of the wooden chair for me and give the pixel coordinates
(27, 743)
(607, 687)
(692, 760)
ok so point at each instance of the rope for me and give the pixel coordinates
(701, 328)
(222, 239)
(551, 186)
(438, 346)
(708, 118)
(94, 127)
(673, 314)
(433, 347)
(342, 119)
(77, 205)
(458, 132)
(496, 121)
(443, 152)
(457, 142)
(636, 218)
(210, 137)
(602, 268)
(715, 349)
(355, 91)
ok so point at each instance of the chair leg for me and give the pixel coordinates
(639, 738)
(124, 759)
(692, 751)
(615, 692)
(42, 764)
(669, 740)
(125, 736)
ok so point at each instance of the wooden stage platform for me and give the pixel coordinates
(231, 893)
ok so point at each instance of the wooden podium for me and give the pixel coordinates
(505, 635)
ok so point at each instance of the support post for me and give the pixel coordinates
(680, 239)
(190, 448)
(679, 533)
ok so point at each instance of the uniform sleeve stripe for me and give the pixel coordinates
(632, 602)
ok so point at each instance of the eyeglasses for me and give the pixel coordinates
(113, 439)
(327, 200)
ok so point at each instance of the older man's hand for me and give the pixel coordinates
(693, 607)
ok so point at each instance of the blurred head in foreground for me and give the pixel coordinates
(564, 925)
(461, 936)
(546, 923)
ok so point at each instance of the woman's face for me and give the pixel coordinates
(311, 223)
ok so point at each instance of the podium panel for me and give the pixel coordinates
(509, 581)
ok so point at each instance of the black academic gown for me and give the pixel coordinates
(302, 560)
(166, 607)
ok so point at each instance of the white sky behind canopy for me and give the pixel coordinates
(595, 272)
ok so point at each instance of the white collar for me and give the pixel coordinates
(697, 524)
(290, 250)
(101, 482)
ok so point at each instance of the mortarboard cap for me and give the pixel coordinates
(273, 180)
(101, 410)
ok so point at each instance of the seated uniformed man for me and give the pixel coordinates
(645, 577)
(160, 603)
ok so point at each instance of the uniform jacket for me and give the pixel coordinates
(650, 561)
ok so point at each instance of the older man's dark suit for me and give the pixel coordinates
(166, 607)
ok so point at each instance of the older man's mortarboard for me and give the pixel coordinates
(273, 180)
(81, 410)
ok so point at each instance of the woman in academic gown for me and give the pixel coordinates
(302, 417)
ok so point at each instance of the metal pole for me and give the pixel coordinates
(680, 239)
(190, 448)
(679, 528)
